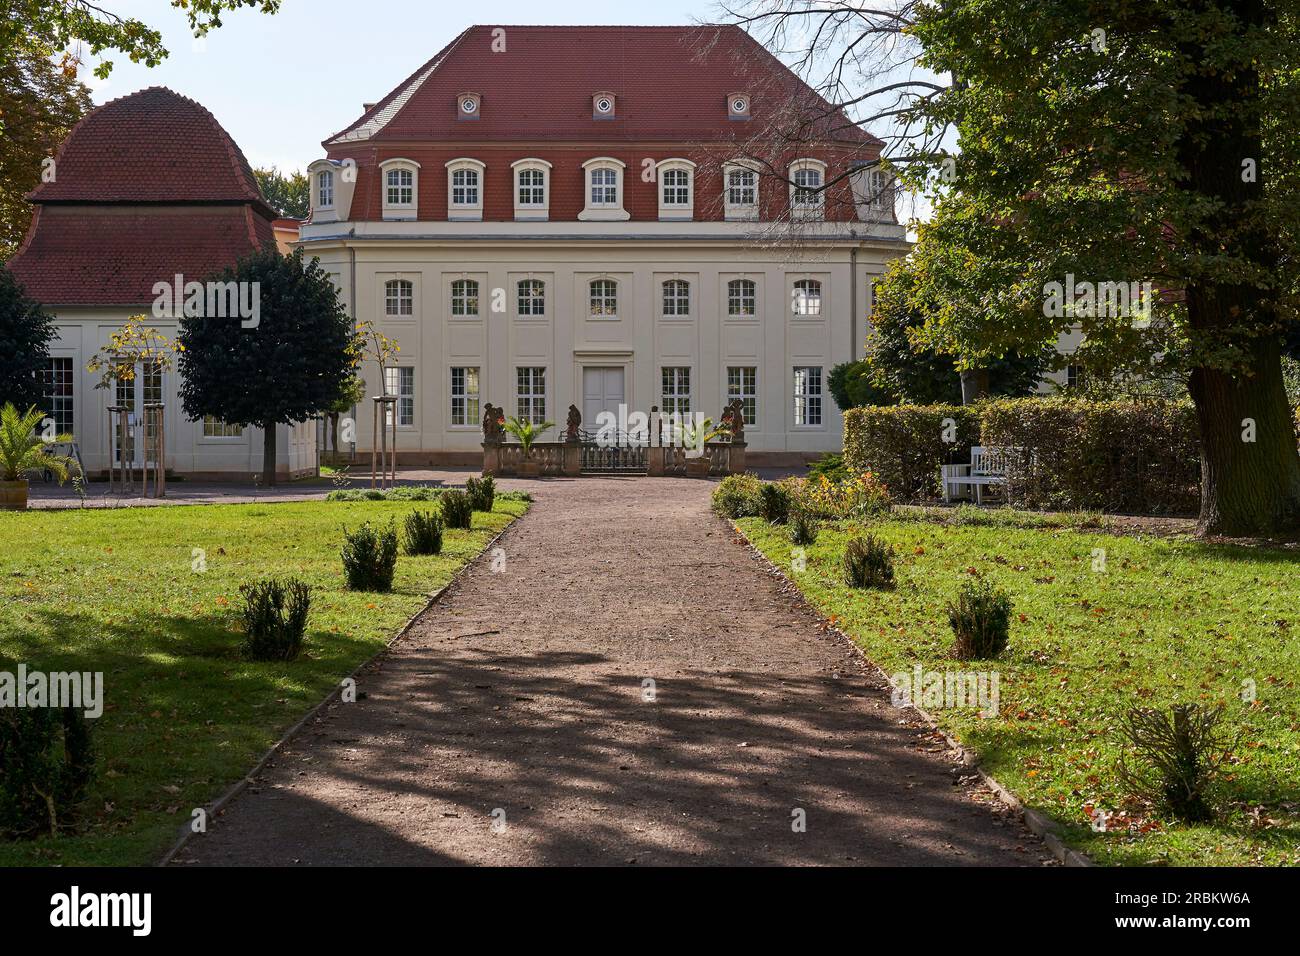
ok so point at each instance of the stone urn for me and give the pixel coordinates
(13, 495)
(530, 468)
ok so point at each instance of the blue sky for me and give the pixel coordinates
(280, 84)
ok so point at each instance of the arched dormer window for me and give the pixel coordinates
(807, 189)
(401, 185)
(740, 190)
(532, 189)
(676, 188)
(604, 190)
(465, 189)
(325, 189)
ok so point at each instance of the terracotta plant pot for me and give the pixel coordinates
(13, 495)
(697, 467)
(530, 468)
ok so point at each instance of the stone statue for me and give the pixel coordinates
(734, 418)
(492, 430)
(573, 424)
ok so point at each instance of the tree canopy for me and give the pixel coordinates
(288, 195)
(26, 331)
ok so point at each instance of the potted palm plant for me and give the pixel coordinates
(23, 449)
(527, 432)
(696, 435)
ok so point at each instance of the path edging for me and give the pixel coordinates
(1038, 823)
(235, 789)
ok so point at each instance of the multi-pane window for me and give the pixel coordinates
(677, 187)
(400, 381)
(807, 297)
(214, 427)
(1074, 376)
(604, 186)
(742, 383)
(807, 183)
(675, 398)
(530, 391)
(325, 188)
(677, 297)
(808, 395)
(742, 297)
(532, 297)
(400, 187)
(399, 297)
(532, 187)
(57, 379)
(464, 297)
(881, 195)
(742, 187)
(464, 187)
(464, 396)
(604, 298)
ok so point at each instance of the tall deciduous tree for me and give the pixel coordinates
(296, 363)
(288, 195)
(26, 332)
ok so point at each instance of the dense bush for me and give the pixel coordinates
(868, 563)
(737, 496)
(981, 620)
(275, 618)
(1135, 457)
(774, 503)
(47, 764)
(423, 533)
(457, 509)
(482, 492)
(904, 445)
(803, 528)
(370, 557)
(831, 466)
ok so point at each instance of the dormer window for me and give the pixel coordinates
(604, 177)
(602, 106)
(807, 188)
(532, 189)
(469, 106)
(331, 189)
(740, 190)
(676, 189)
(400, 178)
(465, 189)
(325, 189)
(738, 106)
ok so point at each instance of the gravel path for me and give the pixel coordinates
(513, 726)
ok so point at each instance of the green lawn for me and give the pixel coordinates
(1167, 620)
(185, 716)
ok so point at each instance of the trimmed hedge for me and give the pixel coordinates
(1135, 457)
(904, 445)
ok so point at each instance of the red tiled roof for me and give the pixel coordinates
(93, 255)
(153, 146)
(671, 83)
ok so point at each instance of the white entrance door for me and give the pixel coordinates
(602, 391)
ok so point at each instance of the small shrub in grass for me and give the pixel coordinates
(482, 492)
(737, 496)
(423, 533)
(868, 563)
(774, 503)
(803, 528)
(457, 509)
(370, 557)
(1178, 756)
(981, 620)
(47, 764)
(275, 618)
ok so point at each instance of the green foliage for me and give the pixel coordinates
(980, 619)
(47, 763)
(457, 509)
(400, 493)
(526, 430)
(852, 386)
(868, 563)
(1179, 755)
(423, 533)
(482, 492)
(275, 618)
(26, 331)
(831, 466)
(289, 195)
(23, 449)
(803, 528)
(370, 557)
(737, 496)
(857, 496)
(905, 445)
(774, 503)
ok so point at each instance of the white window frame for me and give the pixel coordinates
(395, 383)
(804, 302)
(532, 296)
(675, 391)
(325, 189)
(469, 396)
(214, 429)
(809, 397)
(739, 212)
(476, 295)
(537, 212)
(664, 298)
(739, 295)
(466, 210)
(598, 300)
(675, 211)
(603, 211)
(747, 392)
(60, 373)
(530, 392)
(800, 206)
(400, 210)
(393, 292)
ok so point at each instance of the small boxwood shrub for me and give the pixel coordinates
(275, 618)
(482, 492)
(981, 620)
(457, 510)
(774, 503)
(803, 528)
(423, 533)
(1178, 756)
(904, 445)
(868, 563)
(47, 764)
(737, 496)
(370, 557)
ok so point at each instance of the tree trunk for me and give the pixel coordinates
(333, 435)
(974, 385)
(268, 455)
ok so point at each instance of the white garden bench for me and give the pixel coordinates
(988, 466)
